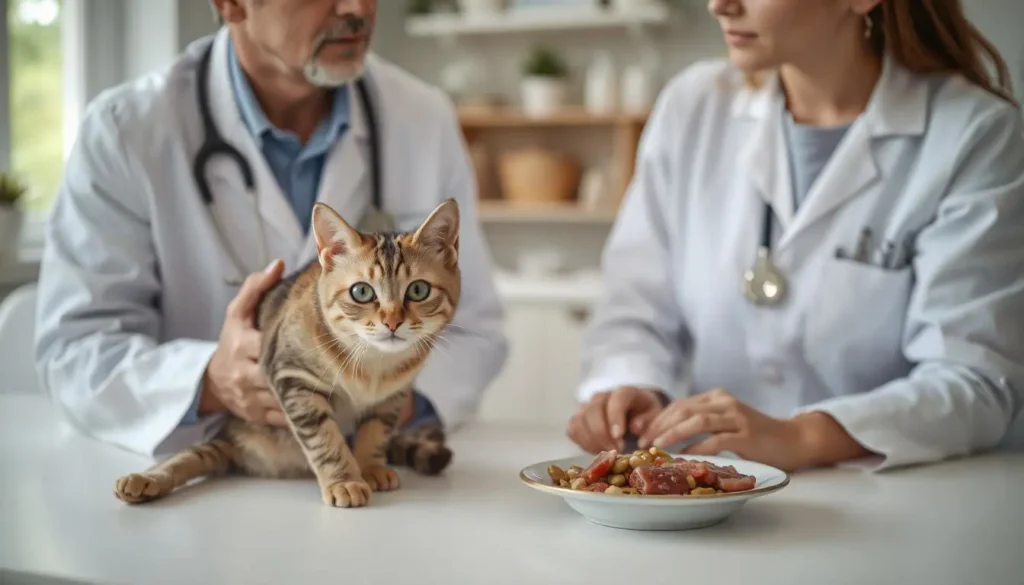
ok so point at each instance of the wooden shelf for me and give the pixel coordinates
(521, 20)
(488, 124)
(503, 117)
(502, 211)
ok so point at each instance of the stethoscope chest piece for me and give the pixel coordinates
(763, 284)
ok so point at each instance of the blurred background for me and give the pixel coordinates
(551, 89)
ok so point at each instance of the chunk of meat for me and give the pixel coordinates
(721, 477)
(654, 480)
(734, 481)
(596, 487)
(600, 467)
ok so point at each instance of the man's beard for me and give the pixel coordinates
(332, 77)
(339, 75)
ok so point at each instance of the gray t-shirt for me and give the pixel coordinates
(810, 147)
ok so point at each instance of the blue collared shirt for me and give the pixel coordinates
(298, 168)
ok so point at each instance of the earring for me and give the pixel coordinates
(869, 25)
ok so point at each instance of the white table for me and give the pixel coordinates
(957, 523)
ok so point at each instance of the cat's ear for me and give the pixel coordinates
(334, 237)
(440, 232)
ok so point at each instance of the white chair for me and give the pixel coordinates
(17, 332)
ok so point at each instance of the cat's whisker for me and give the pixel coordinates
(463, 330)
(422, 346)
(351, 354)
(433, 345)
(439, 336)
(340, 370)
(348, 355)
(357, 357)
(326, 346)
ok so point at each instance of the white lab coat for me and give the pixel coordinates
(918, 363)
(132, 290)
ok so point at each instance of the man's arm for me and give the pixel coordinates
(474, 347)
(97, 326)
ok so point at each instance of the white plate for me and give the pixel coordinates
(670, 512)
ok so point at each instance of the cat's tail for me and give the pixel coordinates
(421, 449)
(175, 471)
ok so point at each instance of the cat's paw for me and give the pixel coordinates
(432, 458)
(346, 494)
(381, 478)
(136, 488)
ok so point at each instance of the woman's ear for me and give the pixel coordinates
(334, 236)
(440, 232)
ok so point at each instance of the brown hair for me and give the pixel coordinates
(934, 36)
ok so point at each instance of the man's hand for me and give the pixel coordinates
(233, 380)
(601, 423)
(408, 408)
(804, 441)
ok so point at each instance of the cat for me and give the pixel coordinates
(343, 340)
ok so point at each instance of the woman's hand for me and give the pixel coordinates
(601, 423)
(804, 441)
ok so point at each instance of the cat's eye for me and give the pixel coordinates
(362, 292)
(418, 291)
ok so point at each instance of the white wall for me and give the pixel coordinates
(151, 28)
(1002, 21)
(691, 36)
(195, 20)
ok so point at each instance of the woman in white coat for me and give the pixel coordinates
(878, 315)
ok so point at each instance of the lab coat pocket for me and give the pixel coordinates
(855, 324)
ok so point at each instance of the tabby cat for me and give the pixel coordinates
(343, 340)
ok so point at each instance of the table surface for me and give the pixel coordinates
(960, 522)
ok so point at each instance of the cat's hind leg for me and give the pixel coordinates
(422, 449)
(175, 471)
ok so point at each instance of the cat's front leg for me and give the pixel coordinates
(372, 438)
(311, 418)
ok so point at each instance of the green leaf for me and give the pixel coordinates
(11, 189)
(544, 62)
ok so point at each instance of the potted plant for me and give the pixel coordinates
(11, 192)
(419, 7)
(544, 82)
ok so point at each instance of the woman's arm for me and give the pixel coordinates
(634, 336)
(965, 322)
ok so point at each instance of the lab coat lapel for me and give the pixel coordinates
(764, 157)
(345, 181)
(273, 205)
(898, 106)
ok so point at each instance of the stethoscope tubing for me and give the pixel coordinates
(214, 144)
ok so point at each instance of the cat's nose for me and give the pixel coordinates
(393, 321)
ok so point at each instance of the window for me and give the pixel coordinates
(35, 95)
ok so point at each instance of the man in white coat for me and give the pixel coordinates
(145, 331)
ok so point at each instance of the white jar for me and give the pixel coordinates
(542, 95)
(637, 89)
(601, 94)
(481, 7)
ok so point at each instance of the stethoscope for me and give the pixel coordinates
(376, 219)
(763, 284)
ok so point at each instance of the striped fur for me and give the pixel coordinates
(343, 340)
